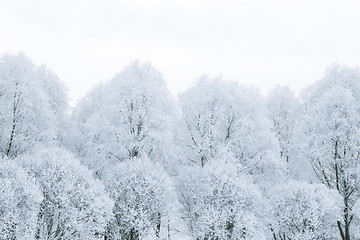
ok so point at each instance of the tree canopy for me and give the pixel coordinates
(218, 161)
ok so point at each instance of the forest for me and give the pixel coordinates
(220, 160)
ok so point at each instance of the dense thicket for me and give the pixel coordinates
(219, 161)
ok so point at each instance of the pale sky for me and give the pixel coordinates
(255, 42)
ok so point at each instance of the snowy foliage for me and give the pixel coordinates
(221, 163)
(75, 205)
(305, 211)
(283, 110)
(32, 105)
(335, 75)
(333, 134)
(20, 200)
(355, 227)
(58, 101)
(143, 196)
(329, 136)
(222, 114)
(218, 204)
(131, 117)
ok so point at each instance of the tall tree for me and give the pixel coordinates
(133, 118)
(283, 111)
(335, 75)
(330, 139)
(56, 92)
(29, 106)
(219, 114)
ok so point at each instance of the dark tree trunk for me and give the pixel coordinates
(158, 225)
(11, 136)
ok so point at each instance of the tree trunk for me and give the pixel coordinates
(15, 106)
(158, 225)
(340, 230)
(168, 229)
(11, 137)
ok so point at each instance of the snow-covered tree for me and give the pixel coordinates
(129, 116)
(75, 205)
(81, 114)
(283, 111)
(20, 200)
(58, 100)
(220, 114)
(330, 138)
(143, 196)
(218, 204)
(305, 211)
(30, 104)
(355, 226)
(335, 75)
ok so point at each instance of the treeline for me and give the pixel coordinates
(219, 161)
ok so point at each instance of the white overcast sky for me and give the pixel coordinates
(263, 43)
